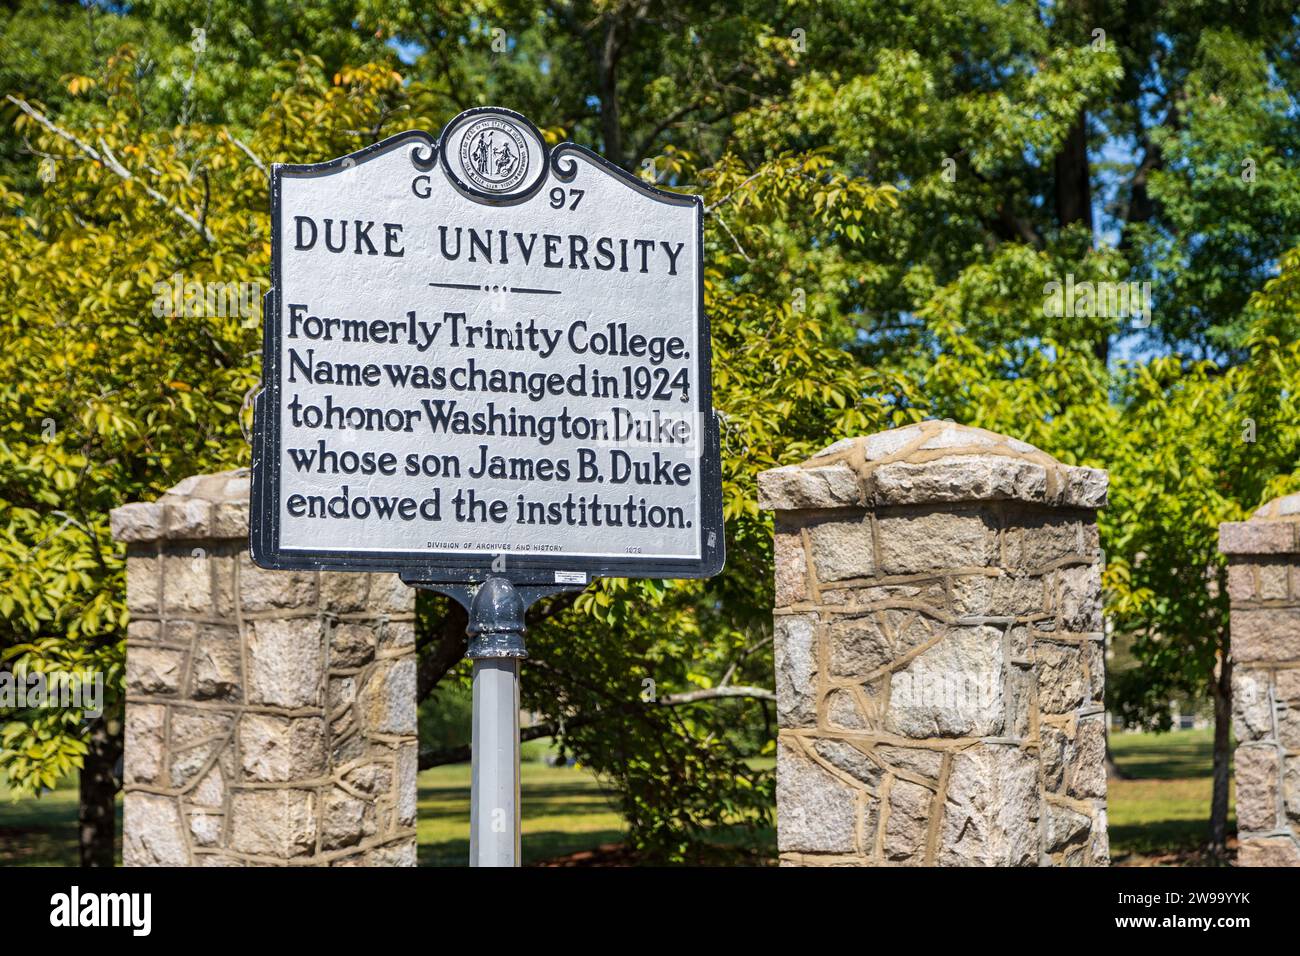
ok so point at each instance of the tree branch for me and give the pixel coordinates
(111, 163)
(461, 754)
(443, 652)
(727, 198)
(723, 223)
(247, 152)
(716, 693)
(446, 651)
(640, 152)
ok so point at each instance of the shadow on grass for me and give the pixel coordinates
(1169, 756)
(1159, 811)
(535, 847)
(39, 845)
(447, 802)
(1153, 837)
(42, 831)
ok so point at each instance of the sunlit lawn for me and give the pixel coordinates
(42, 832)
(1163, 805)
(1161, 808)
(564, 811)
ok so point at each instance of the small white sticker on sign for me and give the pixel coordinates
(570, 577)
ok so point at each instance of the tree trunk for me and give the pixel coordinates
(1112, 768)
(1073, 194)
(1073, 177)
(1221, 688)
(97, 815)
(610, 122)
(443, 653)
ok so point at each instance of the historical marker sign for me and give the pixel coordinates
(484, 355)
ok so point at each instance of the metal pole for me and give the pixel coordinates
(496, 630)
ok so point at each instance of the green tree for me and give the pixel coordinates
(140, 399)
(891, 191)
(106, 399)
(1188, 445)
(1198, 446)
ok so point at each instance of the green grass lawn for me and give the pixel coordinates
(564, 810)
(42, 832)
(1158, 814)
(1162, 807)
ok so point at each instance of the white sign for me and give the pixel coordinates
(484, 354)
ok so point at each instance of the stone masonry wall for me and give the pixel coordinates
(270, 715)
(939, 653)
(1264, 587)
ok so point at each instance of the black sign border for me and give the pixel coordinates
(450, 567)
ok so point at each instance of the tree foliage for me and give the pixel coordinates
(889, 190)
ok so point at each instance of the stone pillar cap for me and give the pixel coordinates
(1274, 528)
(202, 507)
(1281, 508)
(931, 461)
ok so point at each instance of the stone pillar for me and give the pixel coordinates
(1264, 587)
(939, 653)
(270, 715)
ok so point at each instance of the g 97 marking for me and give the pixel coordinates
(559, 195)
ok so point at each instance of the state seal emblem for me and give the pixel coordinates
(494, 155)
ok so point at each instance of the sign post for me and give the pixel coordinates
(496, 627)
(486, 368)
